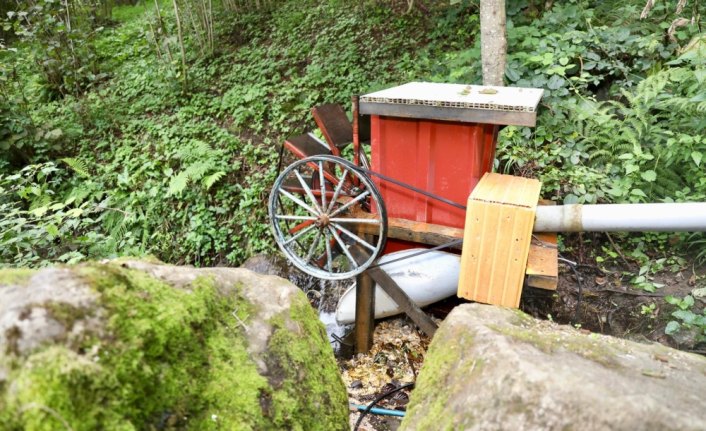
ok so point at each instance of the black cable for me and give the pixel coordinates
(438, 247)
(573, 266)
(377, 400)
(339, 340)
(409, 187)
(280, 159)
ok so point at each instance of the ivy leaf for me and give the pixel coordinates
(672, 328)
(556, 82)
(649, 176)
(685, 316)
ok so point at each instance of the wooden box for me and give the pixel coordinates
(497, 238)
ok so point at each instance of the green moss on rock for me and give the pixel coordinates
(560, 339)
(169, 358)
(434, 382)
(15, 276)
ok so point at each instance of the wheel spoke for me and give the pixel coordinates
(298, 201)
(312, 221)
(350, 203)
(329, 258)
(323, 185)
(337, 191)
(307, 190)
(294, 217)
(355, 220)
(355, 237)
(313, 246)
(302, 232)
(343, 247)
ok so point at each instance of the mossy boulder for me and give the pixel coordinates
(133, 345)
(495, 368)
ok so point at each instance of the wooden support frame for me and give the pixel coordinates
(365, 307)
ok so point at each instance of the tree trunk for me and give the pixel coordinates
(493, 41)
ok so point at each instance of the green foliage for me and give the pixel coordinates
(39, 225)
(183, 171)
(686, 317)
(59, 36)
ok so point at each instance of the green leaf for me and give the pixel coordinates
(649, 176)
(685, 316)
(672, 328)
(638, 192)
(696, 156)
(630, 168)
(77, 166)
(669, 299)
(52, 230)
(687, 302)
(212, 179)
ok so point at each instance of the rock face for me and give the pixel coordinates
(491, 368)
(133, 345)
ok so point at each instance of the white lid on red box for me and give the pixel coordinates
(459, 96)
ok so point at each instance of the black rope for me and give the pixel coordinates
(377, 400)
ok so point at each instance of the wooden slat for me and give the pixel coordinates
(304, 146)
(408, 230)
(334, 124)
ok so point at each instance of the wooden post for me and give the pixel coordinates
(364, 308)
(380, 277)
(364, 313)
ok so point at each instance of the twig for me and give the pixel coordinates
(617, 250)
(239, 320)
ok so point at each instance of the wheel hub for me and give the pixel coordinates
(322, 220)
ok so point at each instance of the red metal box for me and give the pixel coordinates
(439, 138)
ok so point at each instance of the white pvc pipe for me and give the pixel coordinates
(662, 217)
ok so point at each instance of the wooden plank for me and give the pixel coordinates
(398, 295)
(542, 263)
(485, 116)
(415, 231)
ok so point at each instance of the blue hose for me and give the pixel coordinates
(378, 411)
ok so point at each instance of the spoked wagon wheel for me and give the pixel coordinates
(322, 206)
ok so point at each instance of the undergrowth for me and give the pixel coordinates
(140, 162)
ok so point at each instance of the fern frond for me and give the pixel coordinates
(210, 180)
(178, 183)
(77, 166)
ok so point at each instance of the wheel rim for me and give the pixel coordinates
(322, 206)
